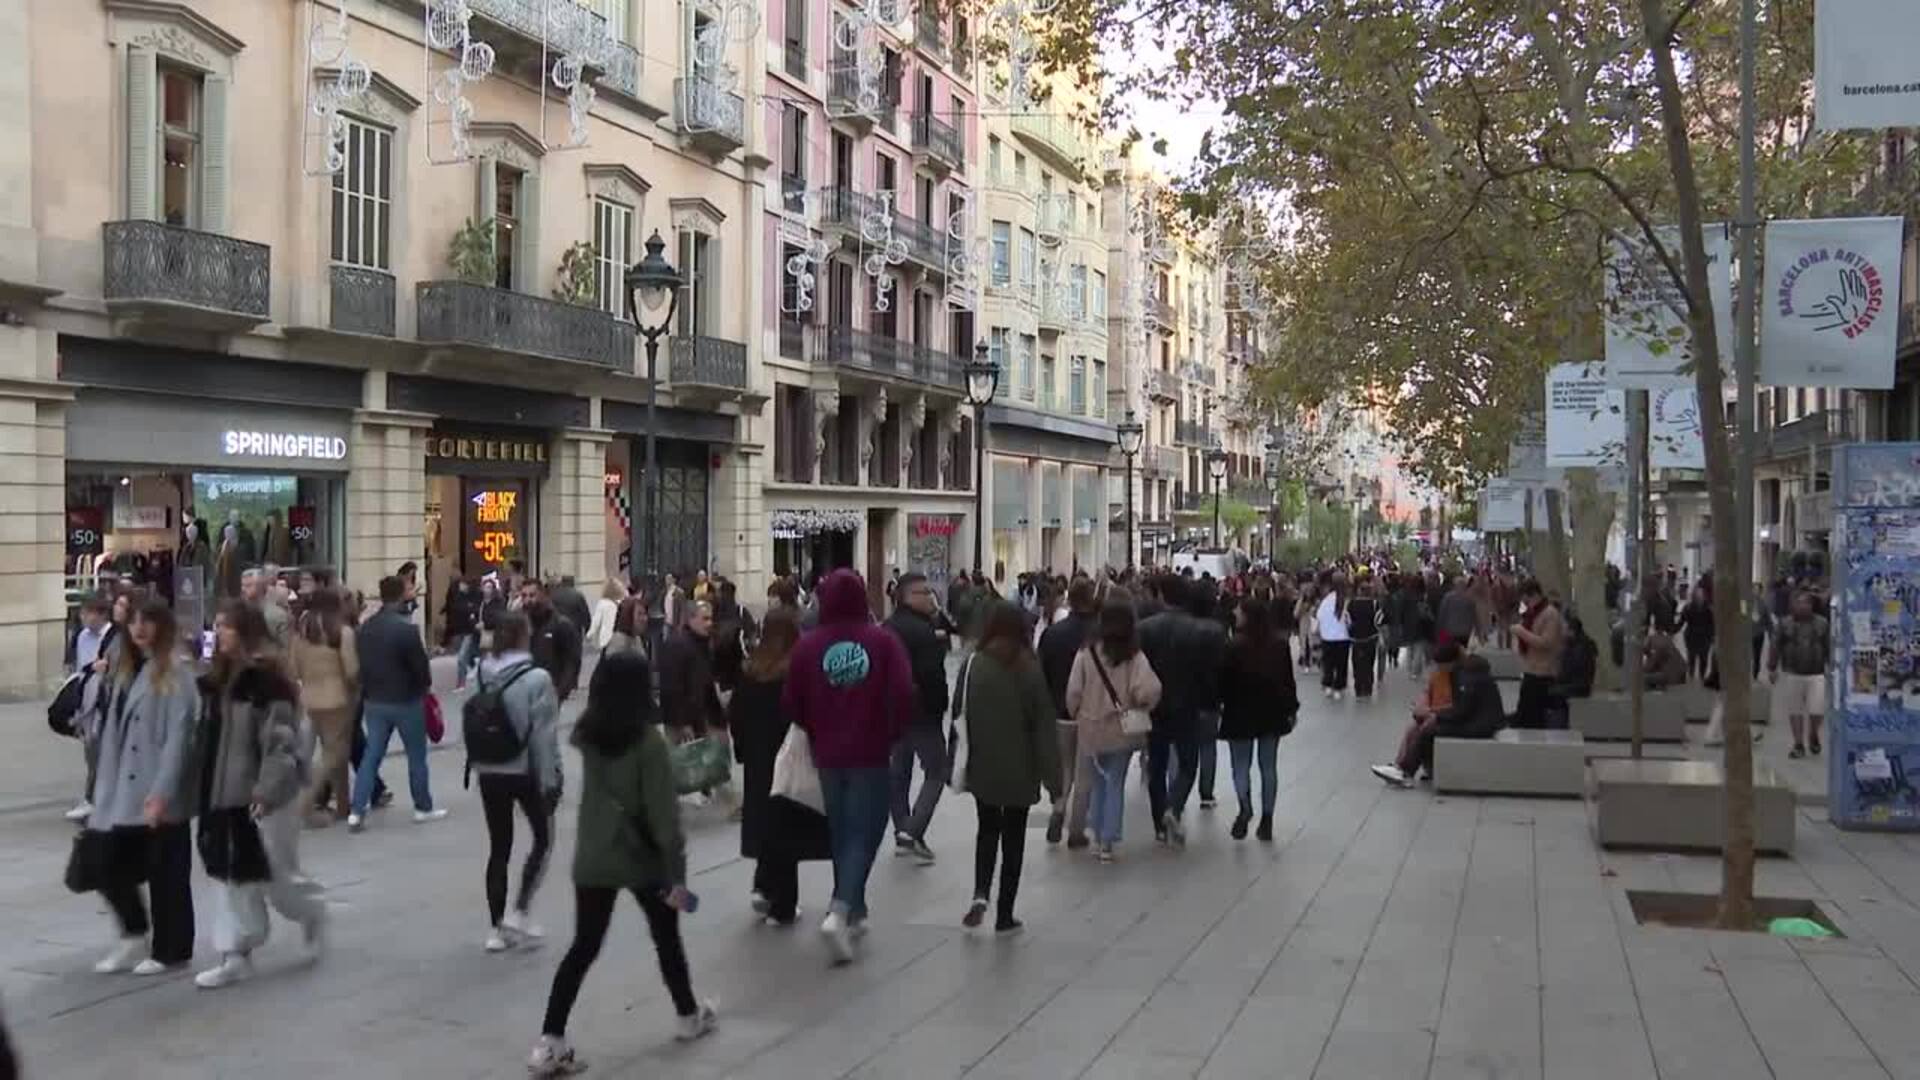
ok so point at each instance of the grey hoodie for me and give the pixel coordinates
(535, 709)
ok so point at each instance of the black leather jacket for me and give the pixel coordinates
(1059, 644)
(927, 655)
(1187, 654)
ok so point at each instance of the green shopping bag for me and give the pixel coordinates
(701, 765)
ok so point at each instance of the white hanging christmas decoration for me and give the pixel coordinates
(335, 78)
(803, 265)
(448, 30)
(966, 255)
(880, 248)
(735, 24)
(857, 51)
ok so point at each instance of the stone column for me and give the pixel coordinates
(947, 423)
(739, 523)
(826, 405)
(873, 418)
(913, 419)
(1031, 554)
(33, 462)
(386, 495)
(573, 511)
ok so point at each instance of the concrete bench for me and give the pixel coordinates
(1605, 717)
(1504, 662)
(1678, 806)
(1513, 762)
(1698, 702)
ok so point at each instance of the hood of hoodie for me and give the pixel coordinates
(842, 597)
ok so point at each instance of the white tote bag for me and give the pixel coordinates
(794, 776)
(957, 730)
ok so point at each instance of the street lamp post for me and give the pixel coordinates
(983, 379)
(652, 282)
(1217, 471)
(1129, 433)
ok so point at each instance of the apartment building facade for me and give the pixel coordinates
(345, 290)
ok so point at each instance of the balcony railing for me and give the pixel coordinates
(1053, 216)
(709, 114)
(1057, 138)
(1192, 433)
(198, 277)
(939, 140)
(1160, 459)
(793, 193)
(361, 300)
(566, 28)
(709, 362)
(1162, 313)
(501, 320)
(845, 207)
(926, 245)
(796, 59)
(928, 33)
(1200, 373)
(1812, 432)
(793, 338)
(1056, 310)
(883, 355)
(843, 98)
(1164, 385)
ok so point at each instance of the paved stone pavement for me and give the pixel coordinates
(1388, 934)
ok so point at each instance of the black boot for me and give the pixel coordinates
(1265, 832)
(1240, 823)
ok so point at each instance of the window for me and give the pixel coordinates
(997, 352)
(1077, 290)
(1029, 348)
(1046, 383)
(1029, 254)
(795, 33)
(1002, 253)
(506, 223)
(923, 201)
(887, 172)
(793, 143)
(615, 12)
(696, 267)
(180, 156)
(994, 165)
(363, 198)
(1099, 386)
(1099, 295)
(1077, 386)
(612, 251)
(1020, 170)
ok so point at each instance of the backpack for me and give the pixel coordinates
(487, 726)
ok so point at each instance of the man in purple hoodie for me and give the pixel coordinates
(850, 687)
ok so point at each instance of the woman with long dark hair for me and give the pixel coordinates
(529, 780)
(1011, 753)
(628, 838)
(1110, 678)
(1330, 619)
(144, 797)
(629, 629)
(1258, 701)
(252, 766)
(327, 666)
(776, 833)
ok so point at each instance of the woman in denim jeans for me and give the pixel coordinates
(1110, 677)
(1258, 701)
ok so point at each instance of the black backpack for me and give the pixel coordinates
(487, 727)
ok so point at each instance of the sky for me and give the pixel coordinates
(1180, 126)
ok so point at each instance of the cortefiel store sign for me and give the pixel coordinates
(283, 444)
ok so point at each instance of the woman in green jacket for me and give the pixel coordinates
(628, 838)
(1011, 752)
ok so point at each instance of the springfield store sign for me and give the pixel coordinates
(283, 444)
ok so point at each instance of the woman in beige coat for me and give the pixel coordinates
(328, 670)
(1110, 678)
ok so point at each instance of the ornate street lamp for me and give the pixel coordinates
(653, 283)
(983, 381)
(1129, 433)
(1217, 471)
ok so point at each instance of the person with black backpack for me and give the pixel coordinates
(511, 726)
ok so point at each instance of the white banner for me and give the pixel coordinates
(1866, 64)
(1647, 335)
(1674, 438)
(1829, 305)
(1586, 420)
(1503, 506)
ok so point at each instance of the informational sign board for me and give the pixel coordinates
(1586, 419)
(1648, 339)
(1863, 65)
(1674, 436)
(1830, 303)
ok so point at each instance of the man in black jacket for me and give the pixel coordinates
(394, 683)
(1475, 713)
(556, 640)
(1187, 650)
(1059, 644)
(912, 623)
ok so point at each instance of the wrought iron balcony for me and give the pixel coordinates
(926, 244)
(539, 29)
(1191, 502)
(715, 120)
(844, 99)
(1192, 433)
(1056, 310)
(793, 338)
(928, 34)
(1163, 385)
(1813, 432)
(490, 320)
(1163, 313)
(707, 368)
(793, 193)
(1160, 460)
(1058, 139)
(165, 273)
(1200, 373)
(1053, 217)
(879, 354)
(938, 142)
(845, 209)
(360, 300)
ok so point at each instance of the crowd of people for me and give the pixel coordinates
(1062, 684)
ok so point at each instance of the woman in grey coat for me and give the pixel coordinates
(255, 759)
(531, 780)
(143, 797)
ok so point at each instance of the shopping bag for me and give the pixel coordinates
(794, 776)
(700, 765)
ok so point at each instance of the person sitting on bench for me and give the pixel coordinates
(1433, 699)
(1577, 670)
(1662, 662)
(1475, 712)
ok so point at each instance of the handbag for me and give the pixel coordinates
(700, 765)
(1133, 722)
(957, 729)
(436, 720)
(63, 711)
(794, 775)
(87, 863)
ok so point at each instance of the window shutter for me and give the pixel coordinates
(527, 269)
(683, 322)
(709, 283)
(214, 167)
(485, 192)
(143, 78)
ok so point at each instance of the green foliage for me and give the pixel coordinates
(470, 252)
(575, 282)
(1237, 516)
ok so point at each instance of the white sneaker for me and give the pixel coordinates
(124, 956)
(1391, 774)
(356, 823)
(315, 934)
(553, 1057)
(519, 924)
(80, 811)
(233, 969)
(1176, 831)
(421, 817)
(702, 1022)
(497, 941)
(149, 967)
(833, 929)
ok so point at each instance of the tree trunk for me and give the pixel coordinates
(1551, 565)
(1593, 511)
(1729, 613)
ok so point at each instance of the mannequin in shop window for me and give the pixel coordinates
(228, 564)
(194, 549)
